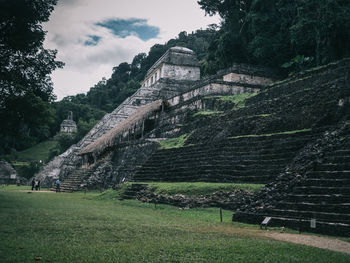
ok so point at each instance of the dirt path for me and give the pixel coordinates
(314, 241)
(308, 240)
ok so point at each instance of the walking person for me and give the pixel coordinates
(36, 185)
(33, 184)
(58, 185)
(39, 185)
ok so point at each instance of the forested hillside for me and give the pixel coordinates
(293, 35)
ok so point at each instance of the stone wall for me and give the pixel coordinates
(246, 79)
(212, 88)
(180, 72)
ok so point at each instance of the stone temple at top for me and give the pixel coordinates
(178, 63)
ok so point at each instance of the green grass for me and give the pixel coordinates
(174, 142)
(270, 134)
(74, 228)
(38, 152)
(199, 188)
(258, 115)
(13, 187)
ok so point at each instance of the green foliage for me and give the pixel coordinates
(65, 140)
(174, 142)
(25, 68)
(199, 188)
(237, 99)
(84, 127)
(276, 32)
(61, 228)
(270, 134)
(206, 113)
(299, 63)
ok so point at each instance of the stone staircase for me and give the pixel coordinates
(240, 160)
(75, 181)
(324, 195)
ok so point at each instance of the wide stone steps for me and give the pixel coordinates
(222, 165)
(246, 159)
(319, 198)
(303, 224)
(74, 182)
(329, 174)
(341, 159)
(243, 146)
(223, 156)
(323, 216)
(341, 208)
(207, 178)
(323, 195)
(334, 167)
(327, 182)
(321, 190)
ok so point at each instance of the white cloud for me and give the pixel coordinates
(73, 21)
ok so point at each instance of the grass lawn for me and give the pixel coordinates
(80, 228)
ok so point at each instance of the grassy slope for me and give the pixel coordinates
(38, 152)
(177, 142)
(74, 228)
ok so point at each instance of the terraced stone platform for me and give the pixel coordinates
(245, 159)
(323, 194)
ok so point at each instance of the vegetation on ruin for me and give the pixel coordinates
(52, 227)
(175, 142)
(206, 113)
(237, 99)
(199, 188)
(270, 134)
(184, 188)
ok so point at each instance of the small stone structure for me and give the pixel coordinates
(68, 125)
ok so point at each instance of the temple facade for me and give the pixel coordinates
(178, 63)
(68, 125)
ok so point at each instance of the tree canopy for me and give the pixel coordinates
(295, 34)
(25, 68)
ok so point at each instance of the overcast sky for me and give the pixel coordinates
(93, 36)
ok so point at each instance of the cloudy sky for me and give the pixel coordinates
(93, 36)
